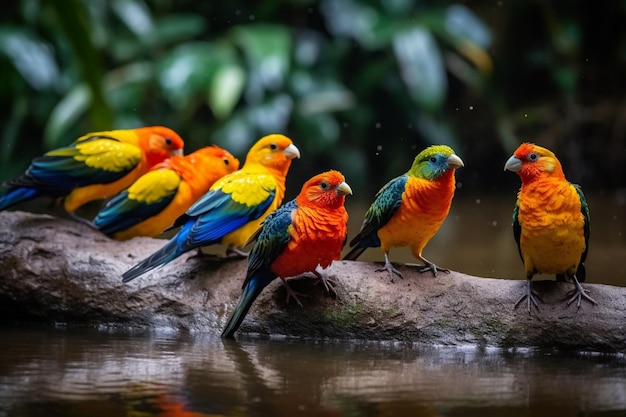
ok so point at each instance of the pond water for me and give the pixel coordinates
(68, 372)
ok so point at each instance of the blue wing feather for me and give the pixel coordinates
(57, 175)
(385, 204)
(271, 239)
(216, 214)
(120, 212)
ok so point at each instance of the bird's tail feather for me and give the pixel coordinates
(250, 292)
(164, 255)
(354, 253)
(17, 195)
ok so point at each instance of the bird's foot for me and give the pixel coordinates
(236, 253)
(81, 219)
(429, 266)
(329, 284)
(291, 293)
(579, 293)
(201, 255)
(390, 269)
(531, 297)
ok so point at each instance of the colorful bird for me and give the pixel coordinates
(550, 221)
(234, 207)
(410, 209)
(153, 202)
(307, 232)
(97, 165)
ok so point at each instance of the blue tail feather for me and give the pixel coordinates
(172, 250)
(252, 289)
(17, 195)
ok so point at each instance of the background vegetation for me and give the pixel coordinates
(360, 85)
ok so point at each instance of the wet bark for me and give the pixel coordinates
(59, 271)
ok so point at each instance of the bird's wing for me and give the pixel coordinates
(271, 239)
(94, 161)
(145, 198)
(229, 205)
(517, 229)
(386, 203)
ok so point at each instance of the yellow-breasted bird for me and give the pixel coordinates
(411, 208)
(234, 207)
(95, 166)
(550, 221)
(153, 202)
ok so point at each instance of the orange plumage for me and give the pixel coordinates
(153, 202)
(411, 208)
(299, 236)
(319, 228)
(550, 220)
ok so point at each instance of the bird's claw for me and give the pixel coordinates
(201, 255)
(579, 293)
(329, 283)
(433, 268)
(236, 253)
(390, 269)
(531, 297)
(291, 293)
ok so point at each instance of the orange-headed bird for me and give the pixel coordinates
(550, 221)
(153, 202)
(234, 207)
(411, 208)
(305, 233)
(95, 166)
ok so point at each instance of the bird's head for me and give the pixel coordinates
(214, 157)
(159, 143)
(326, 190)
(274, 152)
(531, 161)
(435, 161)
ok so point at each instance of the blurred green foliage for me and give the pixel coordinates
(360, 85)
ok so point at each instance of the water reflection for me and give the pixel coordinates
(81, 373)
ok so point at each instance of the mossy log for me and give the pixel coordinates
(60, 271)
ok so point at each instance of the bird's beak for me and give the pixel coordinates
(455, 162)
(292, 152)
(177, 152)
(513, 164)
(344, 189)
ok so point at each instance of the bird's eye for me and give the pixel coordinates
(226, 162)
(533, 156)
(433, 159)
(324, 185)
(273, 146)
(168, 141)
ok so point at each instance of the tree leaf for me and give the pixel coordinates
(31, 57)
(225, 89)
(462, 24)
(187, 71)
(267, 49)
(421, 66)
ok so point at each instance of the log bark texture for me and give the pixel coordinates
(57, 270)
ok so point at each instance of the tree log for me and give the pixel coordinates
(61, 271)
